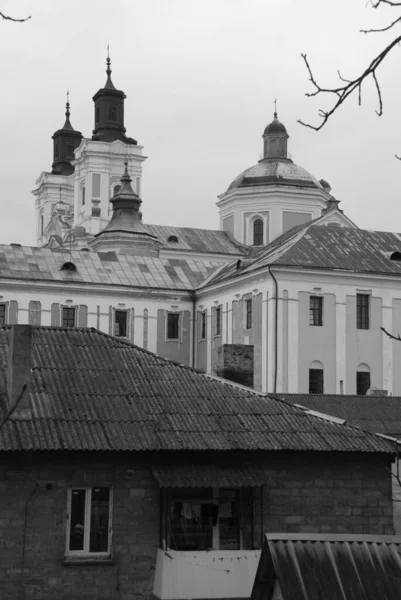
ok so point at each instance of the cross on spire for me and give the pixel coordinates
(275, 108)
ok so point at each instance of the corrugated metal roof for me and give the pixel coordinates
(380, 414)
(92, 391)
(200, 475)
(329, 567)
(39, 264)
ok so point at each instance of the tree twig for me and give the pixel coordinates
(8, 18)
(390, 335)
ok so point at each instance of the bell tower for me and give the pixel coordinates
(65, 140)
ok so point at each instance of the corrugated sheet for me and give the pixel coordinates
(380, 414)
(39, 264)
(330, 567)
(199, 475)
(92, 391)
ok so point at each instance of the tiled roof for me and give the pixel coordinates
(332, 247)
(197, 240)
(380, 414)
(330, 566)
(91, 391)
(43, 264)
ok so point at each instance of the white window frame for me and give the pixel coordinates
(180, 324)
(88, 502)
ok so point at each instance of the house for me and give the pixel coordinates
(124, 474)
(328, 567)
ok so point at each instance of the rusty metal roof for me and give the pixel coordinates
(90, 391)
(329, 567)
(43, 264)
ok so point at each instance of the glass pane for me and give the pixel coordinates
(77, 519)
(229, 519)
(99, 532)
(191, 518)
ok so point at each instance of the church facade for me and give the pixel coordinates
(289, 295)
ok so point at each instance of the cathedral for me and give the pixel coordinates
(288, 296)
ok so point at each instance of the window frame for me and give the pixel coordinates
(110, 107)
(69, 308)
(217, 321)
(359, 384)
(363, 311)
(260, 234)
(88, 501)
(316, 312)
(178, 322)
(203, 325)
(248, 313)
(3, 306)
(120, 310)
(319, 379)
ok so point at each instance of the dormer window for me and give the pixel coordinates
(173, 238)
(396, 256)
(68, 266)
(112, 113)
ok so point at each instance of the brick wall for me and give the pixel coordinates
(305, 492)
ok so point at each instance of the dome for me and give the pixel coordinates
(275, 127)
(275, 172)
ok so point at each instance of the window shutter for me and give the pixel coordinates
(82, 315)
(34, 313)
(55, 315)
(13, 313)
(111, 328)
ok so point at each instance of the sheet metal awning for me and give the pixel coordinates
(211, 476)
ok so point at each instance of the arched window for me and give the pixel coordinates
(316, 380)
(116, 189)
(258, 232)
(362, 379)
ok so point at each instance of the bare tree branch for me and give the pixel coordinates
(390, 335)
(7, 18)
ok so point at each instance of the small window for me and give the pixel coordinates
(68, 316)
(362, 382)
(120, 323)
(89, 521)
(57, 150)
(173, 326)
(218, 321)
(68, 266)
(112, 113)
(97, 114)
(203, 325)
(258, 232)
(173, 238)
(316, 311)
(362, 311)
(42, 223)
(70, 151)
(396, 256)
(2, 314)
(116, 189)
(248, 308)
(83, 195)
(316, 381)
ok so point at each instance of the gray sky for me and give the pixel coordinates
(200, 79)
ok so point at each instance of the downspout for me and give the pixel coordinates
(275, 329)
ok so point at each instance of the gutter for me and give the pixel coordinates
(275, 329)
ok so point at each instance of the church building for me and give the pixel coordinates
(288, 296)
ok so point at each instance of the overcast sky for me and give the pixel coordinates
(200, 79)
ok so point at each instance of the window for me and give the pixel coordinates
(2, 314)
(68, 316)
(173, 326)
(173, 238)
(248, 308)
(218, 321)
(116, 189)
(89, 520)
(209, 518)
(203, 325)
(362, 311)
(112, 113)
(83, 195)
(258, 232)
(316, 311)
(362, 383)
(97, 114)
(316, 381)
(57, 150)
(120, 323)
(42, 223)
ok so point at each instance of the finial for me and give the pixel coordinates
(67, 106)
(126, 176)
(275, 108)
(108, 61)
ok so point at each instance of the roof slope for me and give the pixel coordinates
(338, 567)
(332, 247)
(197, 240)
(43, 264)
(380, 414)
(91, 391)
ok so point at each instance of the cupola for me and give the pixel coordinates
(65, 140)
(109, 112)
(275, 138)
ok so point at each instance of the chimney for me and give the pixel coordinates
(19, 367)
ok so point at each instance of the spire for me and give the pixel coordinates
(275, 108)
(66, 140)
(109, 84)
(67, 124)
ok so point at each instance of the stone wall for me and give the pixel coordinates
(235, 362)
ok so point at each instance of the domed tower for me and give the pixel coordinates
(65, 140)
(272, 196)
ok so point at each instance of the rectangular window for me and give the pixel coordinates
(97, 114)
(316, 381)
(362, 382)
(42, 223)
(316, 311)
(362, 311)
(68, 316)
(248, 307)
(209, 518)
(173, 326)
(120, 323)
(112, 113)
(83, 195)
(218, 321)
(96, 185)
(2, 314)
(89, 520)
(203, 325)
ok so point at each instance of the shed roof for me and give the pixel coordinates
(90, 391)
(329, 567)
